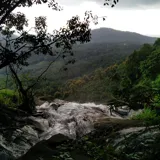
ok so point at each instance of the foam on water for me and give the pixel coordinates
(69, 118)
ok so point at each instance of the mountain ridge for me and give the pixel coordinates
(109, 35)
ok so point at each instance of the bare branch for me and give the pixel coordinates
(20, 48)
(40, 76)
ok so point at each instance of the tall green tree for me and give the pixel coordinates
(15, 50)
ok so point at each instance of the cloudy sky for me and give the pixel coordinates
(141, 16)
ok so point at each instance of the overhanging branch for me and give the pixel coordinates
(9, 11)
(39, 77)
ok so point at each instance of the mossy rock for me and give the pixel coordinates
(117, 124)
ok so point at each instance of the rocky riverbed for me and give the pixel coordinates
(112, 139)
(59, 117)
(38, 136)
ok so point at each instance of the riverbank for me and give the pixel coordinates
(112, 139)
(61, 130)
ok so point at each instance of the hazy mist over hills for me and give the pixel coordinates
(107, 47)
(109, 35)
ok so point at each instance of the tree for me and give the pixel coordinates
(15, 50)
(8, 6)
(42, 41)
(111, 3)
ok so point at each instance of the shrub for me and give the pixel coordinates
(58, 94)
(9, 98)
(149, 116)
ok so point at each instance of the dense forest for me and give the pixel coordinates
(100, 52)
(134, 81)
(100, 74)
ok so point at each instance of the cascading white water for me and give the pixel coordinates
(68, 118)
(71, 118)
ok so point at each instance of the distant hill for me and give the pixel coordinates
(108, 46)
(108, 35)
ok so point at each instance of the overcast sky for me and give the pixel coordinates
(141, 16)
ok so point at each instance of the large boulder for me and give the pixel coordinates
(6, 155)
(57, 139)
(137, 143)
(45, 149)
(39, 151)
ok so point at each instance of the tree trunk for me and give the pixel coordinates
(28, 103)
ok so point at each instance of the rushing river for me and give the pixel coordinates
(68, 118)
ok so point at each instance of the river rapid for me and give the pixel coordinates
(68, 118)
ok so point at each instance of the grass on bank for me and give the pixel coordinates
(9, 98)
(148, 116)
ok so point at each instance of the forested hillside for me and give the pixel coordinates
(135, 81)
(107, 46)
(87, 57)
(111, 35)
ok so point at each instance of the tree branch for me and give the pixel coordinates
(8, 61)
(39, 77)
(9, 11)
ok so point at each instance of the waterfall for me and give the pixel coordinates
(68, 118)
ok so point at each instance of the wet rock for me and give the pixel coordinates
(57, 139)
(40, 151)
(138, 142)
(53, 122)
(55, 105)
(39, 123)
(116, 123)
(6, 155)
(45, 149)
(135, 142)
(22, 140)
(60, 102)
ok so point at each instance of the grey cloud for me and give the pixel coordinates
(121, 4)
(77, 2)
(138, 3)
(70, 2)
